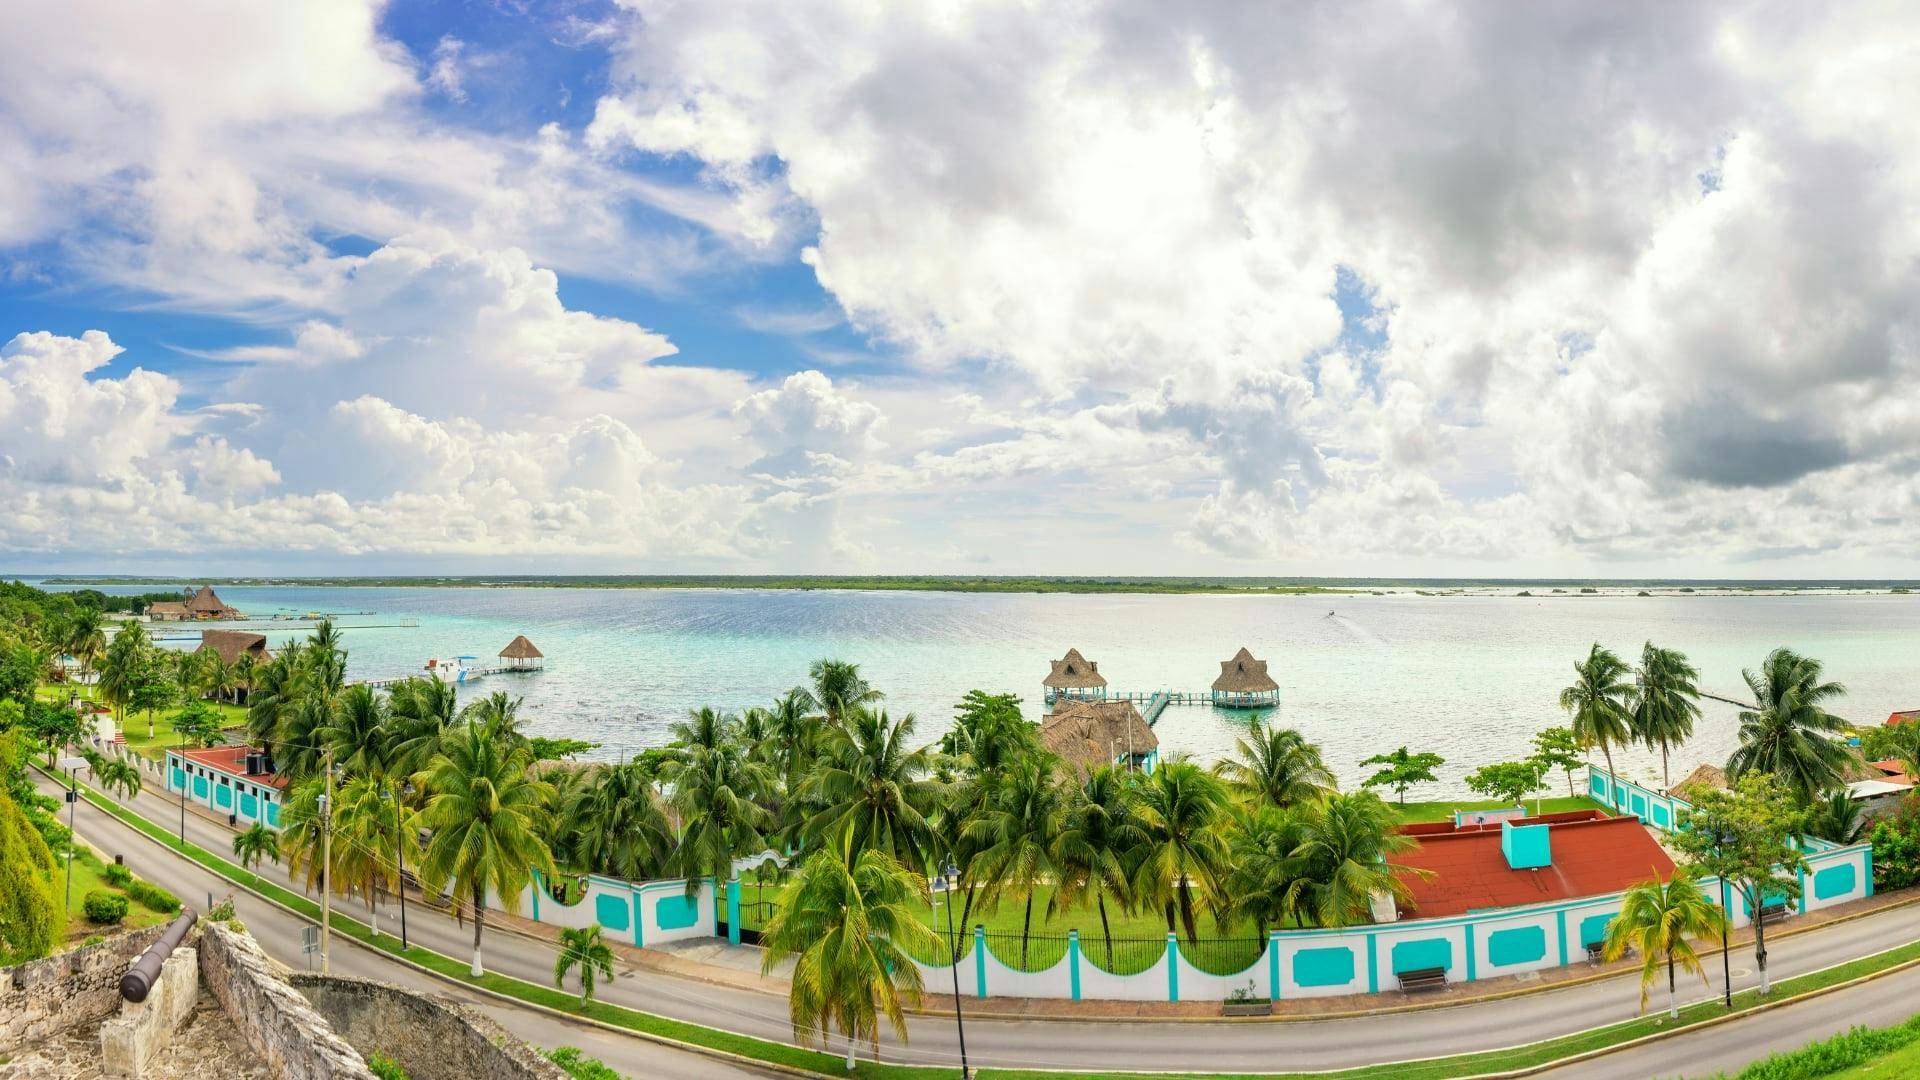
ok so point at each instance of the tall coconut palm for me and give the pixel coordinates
(121, 666)
(1836, 818)
(1665, 702)
(838, 690)
(1097, 838)
(1276, 766)
(1018, 837)
(1180, 807)
(868, 781)
(498, 711)
(275, 693)
(714, 793)
(485, 813)
(1660, 918)
(1344, 860)
(117, 774)
(325, 660)
(360, 734)
(1262, 840)
(617, 824)
(792, 729)
(421, 712)
(703, 729)
(301, 747)
(850, 919)
(1791, 734)
(302, 830)
(1598, 703)
(365, 838)
(584, 948)
(86, 638)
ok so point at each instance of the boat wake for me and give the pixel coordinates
(1354, 630)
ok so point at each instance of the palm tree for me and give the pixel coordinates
(254, 844)
(838, 690)
(301, 747)
(486, 814)
(120, 775)
(122, 665)
(302, 832)
(868, 780)
(86, 638)
(851, 919)
(1665, 701)
(1180, 805)
(792, 728)
(1262, 840)
(324, 660)
(499, 712)
(1836, 818)
(616, 824)
(582, 946)
(1097, 837)
(363, 836)
(713, 793)
(360, 733)
(1276, 765)
(242, 669)
(1658, 918)
(1019, 836)
(1791, 734)
(420, 712)
(1344, 860)
(275, 693)
(1598, 702)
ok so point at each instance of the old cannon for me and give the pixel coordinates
(138, 982)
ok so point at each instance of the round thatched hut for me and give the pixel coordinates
(521, 655)
(1244, 683)
(1075, 676)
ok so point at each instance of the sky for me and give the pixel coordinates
(1103, 287)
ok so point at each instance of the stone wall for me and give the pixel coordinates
(44, 997)
(131, 1040)
(281, 1026)
(432, 1039)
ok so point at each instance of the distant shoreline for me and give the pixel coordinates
(1247, 586)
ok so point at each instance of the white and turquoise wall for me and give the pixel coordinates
(1833, 875)
(224, 793)
(640, 913)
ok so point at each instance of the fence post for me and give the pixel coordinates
(1273, 965)
(1073, 961)
(537, 887)
(733, 911)
(1173, 967)
(980, 956)
(1801, 873)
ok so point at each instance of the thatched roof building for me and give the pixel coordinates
(167, 611)
(1087, 735)
(1244, 682)
(1075, 676)
(521, 653)
(1712, 776)
(230, 645)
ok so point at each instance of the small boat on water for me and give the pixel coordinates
(454, 670)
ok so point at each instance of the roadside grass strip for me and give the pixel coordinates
(1481, 1063)
(1860, 1045)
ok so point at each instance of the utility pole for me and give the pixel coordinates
(184, 781)
(73, 799)
(326, 868)
(400, 856)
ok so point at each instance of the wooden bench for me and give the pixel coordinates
(1596, 952)
(1773, 913)
(1433, 978)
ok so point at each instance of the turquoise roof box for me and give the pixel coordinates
(1525, 846)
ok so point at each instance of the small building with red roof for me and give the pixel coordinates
(1903, 716)
(237, 781)
(1511, 863)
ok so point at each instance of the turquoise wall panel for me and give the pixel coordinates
(223, 796)
(1323, 967)
(249, 805)
(611, 911)
(1640, 804)
(676, 912)
(1519, 945)
(1660, 816)
(273, 815)
(179, 779)
(1597, 785)
(1593, 929)
(1834, 881)
(199, 787)
(1424, 953)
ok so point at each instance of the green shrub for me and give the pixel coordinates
(92, 939)
(1842, 1051)
(222, 911)
(104, 907)
(1896, 848)
(385, 1067)
(581, 1067)
(117, 875)
(154, 897)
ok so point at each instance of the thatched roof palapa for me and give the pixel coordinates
(206, 600)
(229, 645)
(1075, 672)
(1244, 675)
(1712, 776)
(521, 649)
(167, 608)
(1086, 735)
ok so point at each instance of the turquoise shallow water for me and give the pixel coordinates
(1470, 676)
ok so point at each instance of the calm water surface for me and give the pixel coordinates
(1471, 676)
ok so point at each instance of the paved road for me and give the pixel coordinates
(279, 933)
(1327, 1044)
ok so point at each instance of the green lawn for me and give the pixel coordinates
(1417, 812)
(1904, 1062)
(163, 738)
(87, 876)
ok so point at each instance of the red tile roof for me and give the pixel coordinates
(1896, 772)
(1902, 717)
(232, 760)
(1593, 855)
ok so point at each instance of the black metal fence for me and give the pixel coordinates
(1122, 955)
(1029, 952)
(1221, 956)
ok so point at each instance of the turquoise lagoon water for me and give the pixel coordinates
(1470, 676)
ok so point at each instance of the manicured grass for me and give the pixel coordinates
(1904, 1062)
(1418, 812)
(88, 875)
(163, 738)
(832, 1065)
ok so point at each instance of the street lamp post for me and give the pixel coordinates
(73, 799)
(949, 877)
(183, 790)
(1726, 920)
(400, 857)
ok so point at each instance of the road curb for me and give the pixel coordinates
(663, 1040)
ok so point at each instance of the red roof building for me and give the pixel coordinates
(1903, 717)
(1584, 853)
(232, 760)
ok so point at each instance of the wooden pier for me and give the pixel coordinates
(472, 674)
(1152, 703)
